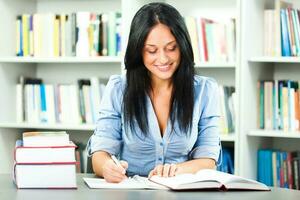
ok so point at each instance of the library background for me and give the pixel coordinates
(56, 57)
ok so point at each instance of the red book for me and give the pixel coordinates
(204, 21)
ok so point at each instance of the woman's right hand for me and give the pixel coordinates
(112, 173)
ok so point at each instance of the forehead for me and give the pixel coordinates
(160, 34)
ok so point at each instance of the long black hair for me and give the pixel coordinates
(138, 80)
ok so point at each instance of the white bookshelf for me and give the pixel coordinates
(69, 69)
(215, 65)
(255, 66)
(269, 59)
(228, 137)
(36, 60)
(274, 134)
(78, 127)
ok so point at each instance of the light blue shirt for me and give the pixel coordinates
(143, 153)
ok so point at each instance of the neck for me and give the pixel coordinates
(158, 85)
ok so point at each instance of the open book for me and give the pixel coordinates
(209, 179)
(135, 182)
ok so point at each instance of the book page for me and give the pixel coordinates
(135, 182)
(176, 181)
(224, 178)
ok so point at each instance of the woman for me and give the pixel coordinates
(160, 119)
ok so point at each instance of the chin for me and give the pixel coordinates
(164, 76)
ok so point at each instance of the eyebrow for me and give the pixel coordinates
(165, 45)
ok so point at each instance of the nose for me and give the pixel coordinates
(163, 58)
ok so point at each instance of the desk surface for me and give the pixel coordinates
(8, 191)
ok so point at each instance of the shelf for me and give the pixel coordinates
(228, 137)
(274, 134)
(100, 59)
(269, 59)
(215, 65)
(79, 127)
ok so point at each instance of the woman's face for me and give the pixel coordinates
(161, 53)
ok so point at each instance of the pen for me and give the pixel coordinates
(117, 162)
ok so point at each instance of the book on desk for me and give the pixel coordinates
(40, 166)
(205, 179)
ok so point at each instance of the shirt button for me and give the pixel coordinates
(161, 144)
(160, 159)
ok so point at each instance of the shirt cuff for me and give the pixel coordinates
(108, 145)
(212, 152)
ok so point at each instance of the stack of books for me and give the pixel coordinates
(45, 160)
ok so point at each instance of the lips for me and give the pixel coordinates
(163, 68)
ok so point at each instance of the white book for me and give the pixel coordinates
(292, 110)
(62, 39)
(65, 107)
(230, 38)
(50, 103)
(19, 103)
(29, 117)
(36, 103)
(45, 176)
(74, 104)
(192, 29)
(37, 34)
(87, 103)
(95, 97)
(45, 154)
(48, 35)
(68, 36)
(200, 39)
(40, 139)
(135, 182)
(209, 179)
(223, 120)
(82, 23)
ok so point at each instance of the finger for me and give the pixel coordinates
(173, 169)
(114, 174)
(124, 164)
(114, 179)
(165, 172)
(159, 170)
(112, 168)
(118, 168)
(151, 173)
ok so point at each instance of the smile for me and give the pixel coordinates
(163, 67)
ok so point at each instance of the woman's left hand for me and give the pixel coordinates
(166, 170)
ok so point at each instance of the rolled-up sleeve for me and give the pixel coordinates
(107, 135)
(208, 141)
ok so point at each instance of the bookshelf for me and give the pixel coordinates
(256, 66)
(70, 69)
(36, 60)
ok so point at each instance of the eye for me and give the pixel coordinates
(172, 48)
(151, 51)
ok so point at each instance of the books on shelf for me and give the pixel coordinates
(282, 30)
(45, 160)
(212, 40)
(278, 105)
(279, 168)
(209, 179)
(81, 34)
(227, 164)
(228, 109)
(61, 103)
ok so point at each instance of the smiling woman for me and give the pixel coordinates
(161, 55)
(160, 118)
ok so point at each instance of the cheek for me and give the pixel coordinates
(148, 59)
